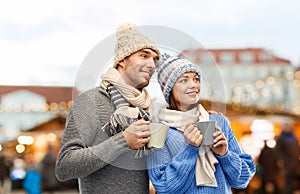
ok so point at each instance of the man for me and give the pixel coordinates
(49, 180)
(5, 185)
(107, 128)
(288, 151)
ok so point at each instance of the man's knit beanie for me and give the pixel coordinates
(129, 41)
(170, 68)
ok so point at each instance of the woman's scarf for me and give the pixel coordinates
(131, 105)
(205, 166)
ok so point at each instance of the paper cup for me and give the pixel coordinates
(158, 135)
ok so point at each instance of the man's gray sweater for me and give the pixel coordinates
(101, 163)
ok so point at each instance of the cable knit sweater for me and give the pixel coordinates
(172, 168)
(101, 163)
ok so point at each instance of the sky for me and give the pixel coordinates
(45, 42)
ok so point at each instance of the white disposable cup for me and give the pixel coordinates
(158, 135)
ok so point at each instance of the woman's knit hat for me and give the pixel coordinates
(169, 69)
(129, 41)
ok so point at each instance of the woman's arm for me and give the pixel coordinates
(238, 166)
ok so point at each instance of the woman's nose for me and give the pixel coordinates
(192, 83)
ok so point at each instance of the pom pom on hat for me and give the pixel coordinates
(124, 27)
(170, 68)
(129, 41)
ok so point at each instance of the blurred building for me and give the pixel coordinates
(24, 110)
(250, 76)
(31, 119)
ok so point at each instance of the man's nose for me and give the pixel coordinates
(151, 64)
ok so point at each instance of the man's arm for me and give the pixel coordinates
(85, 147)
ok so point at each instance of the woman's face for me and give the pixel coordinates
(186, 91)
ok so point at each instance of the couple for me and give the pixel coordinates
(107, 129)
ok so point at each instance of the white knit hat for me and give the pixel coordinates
(129, 41)
(169, 68)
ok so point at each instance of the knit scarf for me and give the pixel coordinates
(134, 96)
(131, 105)
(205, 165)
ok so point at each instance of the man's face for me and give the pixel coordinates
(137, 69)
(288, 128)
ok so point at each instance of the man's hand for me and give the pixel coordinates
(137, 134)
(220, 145)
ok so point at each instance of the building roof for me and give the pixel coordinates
(51, 93)
(260, 55)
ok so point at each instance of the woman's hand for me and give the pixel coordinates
(192, 135)
(220, 145)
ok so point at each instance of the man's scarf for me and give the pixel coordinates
(131, 105)
(134, 96)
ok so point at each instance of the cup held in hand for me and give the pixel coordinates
(158, 135)
(207, 128)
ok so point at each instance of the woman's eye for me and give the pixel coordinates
(183, 80)
(197, 79)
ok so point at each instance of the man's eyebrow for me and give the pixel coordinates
(148, 52)
(145, 51)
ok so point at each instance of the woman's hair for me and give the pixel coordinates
(173, 105)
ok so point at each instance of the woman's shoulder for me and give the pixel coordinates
(219, 118)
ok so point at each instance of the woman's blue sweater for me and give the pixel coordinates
(172, 168)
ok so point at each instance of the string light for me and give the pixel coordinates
(26, 140)
(20, 148)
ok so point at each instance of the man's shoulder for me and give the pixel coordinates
(95, 97)
(93, 93)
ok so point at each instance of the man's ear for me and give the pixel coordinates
(120, 65)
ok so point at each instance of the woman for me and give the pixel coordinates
(183, 165)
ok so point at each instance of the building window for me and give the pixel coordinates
(227, 58)
(207, 58)
(246, 57)
(265, 57)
